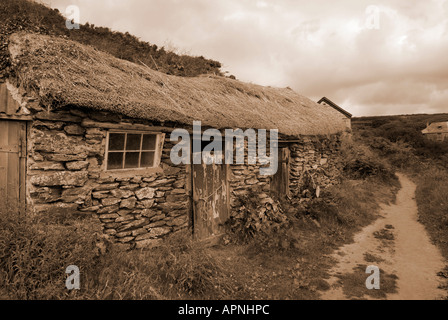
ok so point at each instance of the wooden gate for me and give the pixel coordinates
(210, 199)
(12, 164)
(280, 180)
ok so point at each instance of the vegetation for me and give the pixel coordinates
(19, 15)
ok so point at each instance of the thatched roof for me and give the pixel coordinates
(68, 73)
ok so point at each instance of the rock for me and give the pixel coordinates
(128, 203)
(75, 194)
(160, 194)
(153, 233)
(138, 232)
(148, 213)
(47, 166)
(58, 207)
(110, 209)
(122, 193)
(145, 193)
(104, 117)
(77, 165)
(100, 194)
(124, 218)
(123, 234)
(125, 239)
(179, 221)
(54, 116)
(146, 204)
(90, 209)
(170, 206)
(134, 224)
(109, 216)
(160, 182)
(110, 201)
(157, 224)
(251, 181)
(157, 217)
(78, 113)
(178, 191)
(66, 157)
(61, 178)
(105, 187)
(74, 129)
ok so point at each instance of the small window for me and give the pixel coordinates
(133, 150)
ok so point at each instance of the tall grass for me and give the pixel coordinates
(432, 201)
(35, 252)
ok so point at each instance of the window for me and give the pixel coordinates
(133, 150)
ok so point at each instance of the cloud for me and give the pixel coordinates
(318, 48)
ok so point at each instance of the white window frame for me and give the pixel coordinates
(160, 138)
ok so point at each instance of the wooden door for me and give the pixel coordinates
(280, 180)
(210, 199)
(12, 164)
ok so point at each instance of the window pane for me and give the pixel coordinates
(147, 159)
(115, 160)
(133, 142)
(116, 141)
(131, 160)
(149, 142)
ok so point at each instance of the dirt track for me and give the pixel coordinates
(399, 245)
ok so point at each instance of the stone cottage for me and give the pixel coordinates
(436, 131)
(82, 131)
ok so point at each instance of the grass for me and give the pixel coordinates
(432, 201)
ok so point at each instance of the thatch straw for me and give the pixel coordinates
(68, 73)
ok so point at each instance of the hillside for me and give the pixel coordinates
(18, 15)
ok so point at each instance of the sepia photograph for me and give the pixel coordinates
(228, 157)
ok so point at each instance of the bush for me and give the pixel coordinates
(255, 216)
(360, 162)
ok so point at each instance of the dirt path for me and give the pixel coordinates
(399, 245)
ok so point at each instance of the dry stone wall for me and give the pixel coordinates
(65, 174)
(316, 157)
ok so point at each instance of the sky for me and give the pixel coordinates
(369, 57)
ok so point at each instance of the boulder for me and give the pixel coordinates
(61, 178)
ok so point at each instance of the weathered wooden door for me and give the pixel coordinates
(210, 199)
(280, 180)
(12, 164)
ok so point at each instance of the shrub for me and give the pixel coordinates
(360, 162)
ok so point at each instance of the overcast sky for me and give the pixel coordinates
(370, 57)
